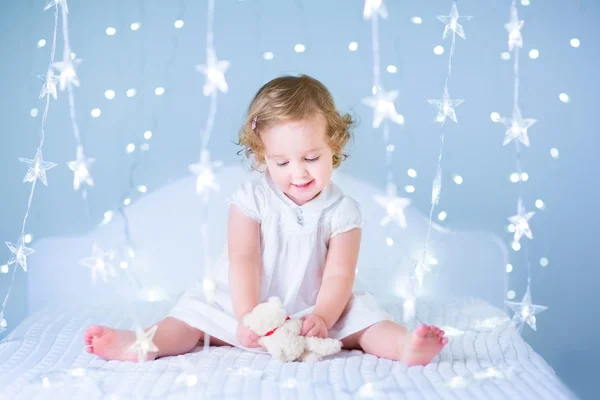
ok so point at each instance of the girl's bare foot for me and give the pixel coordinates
(426, 343)
(112, 344)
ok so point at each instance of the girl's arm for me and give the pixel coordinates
(243, 238)
(338, 277)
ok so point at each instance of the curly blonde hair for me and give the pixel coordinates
(292, 98)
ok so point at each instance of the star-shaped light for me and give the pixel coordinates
(19, 253)
(383, 107)
(205, 177)
(515, 39)
(214, 71)
(421, 268)
(445, 107)
(143, 343)
(53, 3)
(521, 222)
(452, 22)
(394, 206)
(374, 7)
(516, 127)
(80, 167)
(525, 311)
(37, 168)
(66, 68)
(49, 85)
(100, 264)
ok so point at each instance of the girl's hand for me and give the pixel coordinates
(246, 337)
(314, 325)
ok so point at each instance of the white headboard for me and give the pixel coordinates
(165, 226)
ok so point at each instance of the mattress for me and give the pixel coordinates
(44, 358)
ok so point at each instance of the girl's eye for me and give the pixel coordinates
(312, 159)
(283, 164)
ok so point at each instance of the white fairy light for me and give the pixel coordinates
(56, 3)
(394, 207)
(66, 69)
(517, 127)
(438, 50)
(214, 71)
(178, 24)
(135, 26)
(37, 168)
(564, 98)
(100, 264)
(34, 112)
(525, 311)
(268, 55)
(515, 39)
(96, 112)
(41, 43)
(521, 222)
(159, 91)
(374, 8)
(416, 20)
(554, 153)
(534, 54)
(412, 173)
(409, 188)
(383, 107)
(144, 343)
(353, 46)
(452, 22)
(392, 69)
(205, 177)
(130, 92)
(111, 31)
(445, 107)
(299, 48)
(109, 94)
(19, 253)
(49, 86)
(574, 42)
(80, 167)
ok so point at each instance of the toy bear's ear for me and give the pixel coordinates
(274, 299)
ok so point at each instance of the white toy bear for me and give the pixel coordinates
(280, 334)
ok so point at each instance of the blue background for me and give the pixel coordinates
(160, 55)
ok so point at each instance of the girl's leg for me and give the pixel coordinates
(387, 339)
(173, 337)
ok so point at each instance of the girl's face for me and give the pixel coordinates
(298, 158)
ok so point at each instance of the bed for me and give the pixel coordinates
(44, 356)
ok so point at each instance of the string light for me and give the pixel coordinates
(37, 166)
(446, 109)
(517, 127)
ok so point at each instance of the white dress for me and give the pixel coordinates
(294, 241)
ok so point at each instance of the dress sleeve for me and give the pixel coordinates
(249, 197)
(346, 217)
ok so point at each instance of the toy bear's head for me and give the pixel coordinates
(266, 316)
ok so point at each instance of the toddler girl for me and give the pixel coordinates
(292, 234)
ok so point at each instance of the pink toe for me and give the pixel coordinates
(444, 341)
(422, 330)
